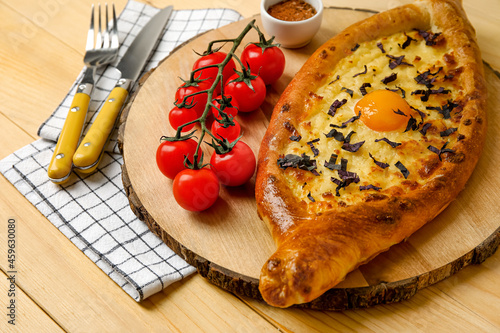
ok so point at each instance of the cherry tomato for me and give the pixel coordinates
(247, 98)
(230, 110)
(269, 63)
(235, 167)
(196, 190)
(199, 101)
(209, 74)
(180, 116)
(231, 133)
(170, 156)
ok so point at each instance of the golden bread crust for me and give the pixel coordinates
(315, 251)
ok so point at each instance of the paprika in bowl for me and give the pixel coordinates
(293, 22)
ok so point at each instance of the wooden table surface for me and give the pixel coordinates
(59, 289)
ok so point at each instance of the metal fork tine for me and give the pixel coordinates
(90, 33)
(106, 33)
(114, 31)
(98, 42)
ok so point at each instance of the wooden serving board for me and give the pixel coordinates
(228, 243)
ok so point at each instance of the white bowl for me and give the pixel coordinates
(291, 34)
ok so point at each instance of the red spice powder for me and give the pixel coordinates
(292, 10)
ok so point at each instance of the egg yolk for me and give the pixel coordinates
(381, 110)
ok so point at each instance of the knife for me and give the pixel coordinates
(90, 151)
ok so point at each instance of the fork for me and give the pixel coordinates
(99, 51)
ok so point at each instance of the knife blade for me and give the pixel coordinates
(90, 150)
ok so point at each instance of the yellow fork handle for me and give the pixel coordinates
(61, 163)
(88, 154)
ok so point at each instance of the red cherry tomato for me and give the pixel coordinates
(236, 167)
(209, 74)
(180, 116)
(231, 110)
(269, 64)
(247, 98)
(199, 101)
(196, 190)
(170, 156)
(231, 133)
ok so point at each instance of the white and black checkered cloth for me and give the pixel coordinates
(93, 210)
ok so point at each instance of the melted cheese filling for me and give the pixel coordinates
(350, 74)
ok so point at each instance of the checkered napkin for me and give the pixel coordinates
(93, 210)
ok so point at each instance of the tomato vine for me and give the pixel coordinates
(194, 79)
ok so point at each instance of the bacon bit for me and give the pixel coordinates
(422, 114)
(396, 61)
(400, 112)
(347, 179)
(355, 47)
(339, 136)
(424, 79)
(331, 164)
(335, 105)
(411, 125)
(425, 128)
(363, 87)
(426, 93)
(430, 38)
(295, 138)
(379, 164)
(407, 42)
(390, 78)
(309, 196)
(445, 110)
(313, 149)
(403, 92)
(351, 120)
(391, 143)
(349, 91)
(302, 162)
(369, 187)
(363, 72)
(439, 152)
(403, 169)
(381, 47)
(352, 147)
(448, 131)
(336, 79)
(348, 137)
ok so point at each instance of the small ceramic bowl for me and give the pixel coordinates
(291, 34)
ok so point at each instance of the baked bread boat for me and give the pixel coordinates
(375, 136)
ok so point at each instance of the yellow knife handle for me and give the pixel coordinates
(62, 159)
(89, 152)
